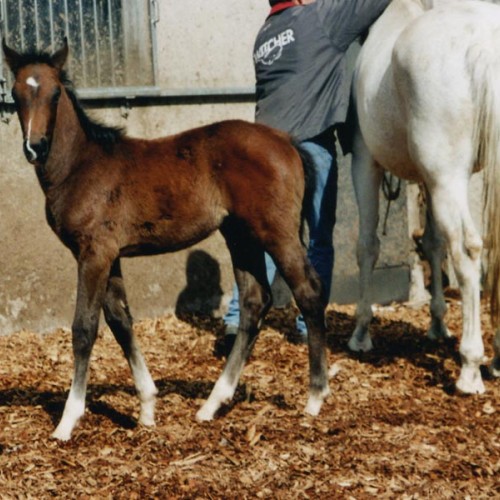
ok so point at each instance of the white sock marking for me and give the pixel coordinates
(73, 411)
(222, 392)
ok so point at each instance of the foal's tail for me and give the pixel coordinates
(310, 181)
(485, 74)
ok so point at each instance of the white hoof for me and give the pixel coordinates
(470, 381)
(364, 345)
(313, 406)
(334, 370)
(315, 402)
(62, 432)
(147, 416)
(74, 410)
(222, 393)
(147, 421)
(204, 414)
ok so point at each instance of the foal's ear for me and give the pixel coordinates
(11, 56)
(59, 58)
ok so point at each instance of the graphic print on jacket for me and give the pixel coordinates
(272, 49)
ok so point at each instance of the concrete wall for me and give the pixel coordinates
(201, 45)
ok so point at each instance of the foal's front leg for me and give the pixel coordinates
(92, 278)
(119, 320)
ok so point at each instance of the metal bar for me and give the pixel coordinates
(21, 23)
(3, 80)
(111, 42)
(4, 24)
(82, 44)
(96, 38)
(154, 10)
(90, 94)
(67, 33)
(66, 20)
(37, 24)
(51, 17)
(4, 20)
(138, 92)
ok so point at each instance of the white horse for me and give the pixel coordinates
(428, 102)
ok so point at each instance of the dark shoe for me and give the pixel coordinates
(299, 338)
(229, 340)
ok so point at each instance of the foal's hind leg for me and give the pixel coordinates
(366, 178)
(118, 318)
(305, 285)
(93, 275)
(434, 248)
(255, 301)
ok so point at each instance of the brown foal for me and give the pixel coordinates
(109, 196)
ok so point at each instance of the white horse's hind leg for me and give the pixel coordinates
(450, 209)
(434, 248)
(366, 179)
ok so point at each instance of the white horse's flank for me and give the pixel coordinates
(428, 104)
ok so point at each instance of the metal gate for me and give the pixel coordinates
(112, 42)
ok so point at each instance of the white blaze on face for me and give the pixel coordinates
(31, 151)
(33, 83)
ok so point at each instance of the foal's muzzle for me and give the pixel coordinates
(36, 152)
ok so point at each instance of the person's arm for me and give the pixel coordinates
(345, 20)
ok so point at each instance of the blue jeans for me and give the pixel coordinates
(320, 216)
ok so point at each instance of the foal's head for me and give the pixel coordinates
(36, 92)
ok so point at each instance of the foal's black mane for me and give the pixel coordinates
(104, 135)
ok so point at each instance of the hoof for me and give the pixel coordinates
(495, 368)
(147, 421)
(334, 370)
(204, 415)
(313, 406)
(147, 415)
(65, 428)
(356, 345)
(315, 402)
(470, 381)
(437, 334)
(61, 434)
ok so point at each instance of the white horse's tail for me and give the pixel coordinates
(485, 74)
